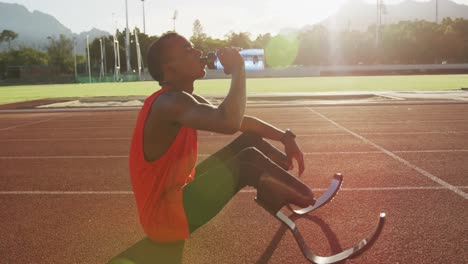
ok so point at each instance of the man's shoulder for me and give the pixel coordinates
(172, 101)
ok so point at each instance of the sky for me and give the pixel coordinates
(218, 17)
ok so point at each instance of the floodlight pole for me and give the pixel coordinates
(116, 58)
(101, 72)
(378, 22)
(380, 14)
(174, 18)
(144, 26)
(89, 62)
(105, 56)
(437, 12)
(127, 39)
(138, 52)
(74, 58)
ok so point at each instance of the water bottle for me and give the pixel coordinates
(253, 59)
(210, 60)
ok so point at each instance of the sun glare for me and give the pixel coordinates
(304, 12)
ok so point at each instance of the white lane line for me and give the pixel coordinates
(372, 122)
(75, 157)
(406, 121)
(398, 158)
(229, 136)
(380, 152)
(272, 122)
(67, 157)
(250, 190)
(30, 123)
(391, 97)
(63, 139)
(398, 188)
(91, 119)
(206, 155)
(432, 151)
(417, 133)
(81, 128)
(65, 192)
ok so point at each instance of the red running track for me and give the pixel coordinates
(65, 194)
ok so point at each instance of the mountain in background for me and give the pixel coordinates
(33, 28)
(359, 15)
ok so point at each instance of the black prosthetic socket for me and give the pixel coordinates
(275, 186)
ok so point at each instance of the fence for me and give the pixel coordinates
(44, 74)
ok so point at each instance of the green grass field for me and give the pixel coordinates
(10, 94)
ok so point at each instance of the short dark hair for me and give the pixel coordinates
(155, 56)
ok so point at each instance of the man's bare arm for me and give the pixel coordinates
(183, 108)
(265, 130)
(260, 127)
(234, 103)
(252, 124)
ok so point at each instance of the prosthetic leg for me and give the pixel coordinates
(277, 189)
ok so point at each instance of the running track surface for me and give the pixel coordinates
(65, 194)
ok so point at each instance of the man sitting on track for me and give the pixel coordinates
(174, 197)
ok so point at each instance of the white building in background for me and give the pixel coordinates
(254, 60)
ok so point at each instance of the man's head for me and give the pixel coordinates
(172, 58)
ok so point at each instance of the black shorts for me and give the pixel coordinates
(222, 175)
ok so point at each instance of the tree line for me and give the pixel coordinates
(406, 42)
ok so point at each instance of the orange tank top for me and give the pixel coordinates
(158, 185)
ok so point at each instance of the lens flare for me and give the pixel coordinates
(281, 50)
